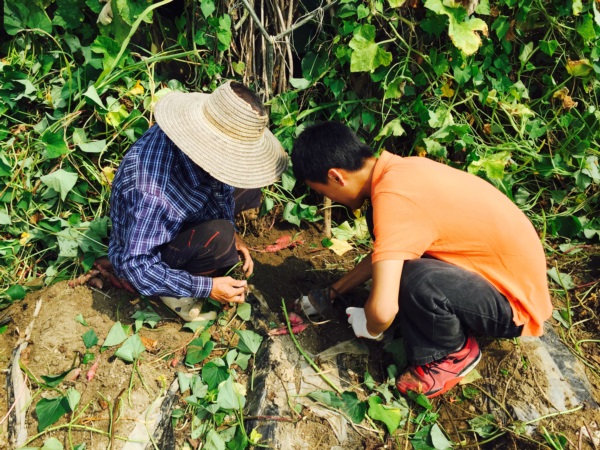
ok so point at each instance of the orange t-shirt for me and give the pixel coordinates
(421, 206)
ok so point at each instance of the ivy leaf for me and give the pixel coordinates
(184, 381)
(207, 7)
(68, 242)
(198, 351)
(92, 94)
(130, 10)
(50, 444)
(329, 398)
(249, 341)
(463, 33)
(214, 372)
(54, 380)
(89, 338)
(55, 145)
(367, 55)
(224, 33)
(213, 441)
(395, 89)
(586, 28)
(549, 47)
(16, 292)
(392, 128)
(131, 349)
(564, 280)
(93, 146)
(391, 417)
(147, 316)
(79, 318)
(485, 425)
(49, 411)
(61, 181)
(339, 247)
(115, 336)
(198, 387)
(438, 439)
(300, 83)
(73, 397)
(109, 48)
(69, 14)
(242, 360)
(244, 310)
(231, 395)
(396, 3)
(580, 68)
(194, 326)
(355, 409)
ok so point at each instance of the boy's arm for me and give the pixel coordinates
(382, 305)
(359, 274)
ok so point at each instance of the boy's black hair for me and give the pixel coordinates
(324, 146)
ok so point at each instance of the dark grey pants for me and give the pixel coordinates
(441, 303)
(208, 248)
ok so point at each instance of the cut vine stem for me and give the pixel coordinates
(303, 353)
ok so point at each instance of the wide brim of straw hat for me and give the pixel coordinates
(228, 153)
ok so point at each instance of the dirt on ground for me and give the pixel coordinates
(510, 373)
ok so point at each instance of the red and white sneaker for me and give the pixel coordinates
(438, 377)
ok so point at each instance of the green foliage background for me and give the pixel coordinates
(509, 92)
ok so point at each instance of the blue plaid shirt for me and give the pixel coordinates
(158, 191)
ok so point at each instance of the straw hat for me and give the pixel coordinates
(224, 135)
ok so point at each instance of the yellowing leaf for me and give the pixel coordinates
(580, 68)
(138, 89)
(239, 67)
(340, 247)
(516, 109)
(464, 34)
(367, 55)
(392, 128)
(24, 238)
(361, 228)
(109, 174)
(471, 377)
(396, 3)
(447, 91)
(255, 436)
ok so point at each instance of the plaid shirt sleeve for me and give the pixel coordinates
(151, 223)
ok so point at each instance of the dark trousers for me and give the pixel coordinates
(440, 304)
(208, 248)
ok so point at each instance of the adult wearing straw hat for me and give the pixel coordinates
(178, 188)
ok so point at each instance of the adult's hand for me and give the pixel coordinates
(248, 266)
(228, 289)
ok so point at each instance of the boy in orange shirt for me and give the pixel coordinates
(464, 259)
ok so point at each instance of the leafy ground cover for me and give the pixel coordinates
(136, 349)
(507, 90)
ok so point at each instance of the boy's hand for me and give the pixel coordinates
(358, 320)
(320, 300)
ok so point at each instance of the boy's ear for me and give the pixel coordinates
(336, 176)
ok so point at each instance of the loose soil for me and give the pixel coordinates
(508, 369)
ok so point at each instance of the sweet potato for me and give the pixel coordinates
(296, 329)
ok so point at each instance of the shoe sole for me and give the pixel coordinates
(453, 382)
